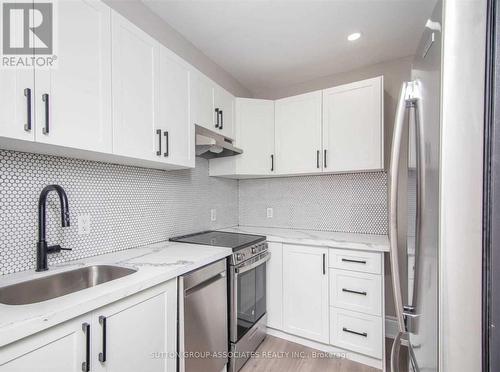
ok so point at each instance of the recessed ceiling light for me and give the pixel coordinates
(354, 36)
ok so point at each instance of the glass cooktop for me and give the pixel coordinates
(235, 241)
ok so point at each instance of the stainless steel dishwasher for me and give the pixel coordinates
(203, 317)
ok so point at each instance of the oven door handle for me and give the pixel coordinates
(246, 268)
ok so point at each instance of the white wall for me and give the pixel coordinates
(144, 18)
(461, 185)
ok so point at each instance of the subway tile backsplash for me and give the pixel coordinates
(128, 206)
(131, 206)
(339, 202)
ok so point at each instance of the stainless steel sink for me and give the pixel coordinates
(57, 285)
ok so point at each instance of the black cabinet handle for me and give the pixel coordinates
(216, 118)
(221, 124)
(324, 263)
(317, 159)
(27, 94)
(355, 292)
(353, 261)
(46, 129)
(158, 132)
(272, 162)
(86, 364)
(364, 334)
(324, 159)
(102, 355)
(165, 154)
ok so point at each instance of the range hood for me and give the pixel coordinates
(210, 145)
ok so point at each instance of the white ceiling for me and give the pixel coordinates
(273, 44)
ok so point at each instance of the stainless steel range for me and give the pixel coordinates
(247, 289)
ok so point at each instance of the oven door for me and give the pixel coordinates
(248, 295)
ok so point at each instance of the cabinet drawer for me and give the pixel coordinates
(367, 262)
(356, 291)
(357, 332)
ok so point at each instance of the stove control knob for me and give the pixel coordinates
(238, 257)
(254, 250)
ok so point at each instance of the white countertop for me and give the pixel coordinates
(155, 264)
(365, 242)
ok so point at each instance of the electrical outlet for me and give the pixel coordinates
(270, 213)
(213, 215)
(84, 222)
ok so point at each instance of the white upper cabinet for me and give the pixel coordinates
(16, 94)
(202, 101)
(224, 111)
(135, 92)
(73, 99)
(254, 128)
(177, 129)
(353, 135)
(298, 134)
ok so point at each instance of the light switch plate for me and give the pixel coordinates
(213, 215)
(270, 212)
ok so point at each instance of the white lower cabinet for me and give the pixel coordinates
(274, 286)
(61, 348)
(355, 331)
(305, 292)
(137, 333)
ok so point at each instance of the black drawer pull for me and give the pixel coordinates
(102, 355)
(27, 94)
(324, 263)
(364, 334)
(355, 292)
(46, 128)
(353, 261)
(221, 124)
(86, 364)
(216, 118)
(158, 132)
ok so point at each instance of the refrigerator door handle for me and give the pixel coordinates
(393, 205)
(414, 102)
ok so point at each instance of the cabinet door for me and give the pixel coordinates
(298, 134)
(224, 101)
(16, 95)
(140, 332)
(135, 91)
(202, 101)
(17, 90)
(62, 348)
(178, 131)
(353, 130)
(305, 292)
(77, 91)
(255, 135)
(274, 288)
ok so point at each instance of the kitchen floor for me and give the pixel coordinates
(277, 345)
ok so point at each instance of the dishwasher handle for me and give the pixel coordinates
(204, 284)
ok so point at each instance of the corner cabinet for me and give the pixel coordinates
(254, 128)
(137, 333)
(335, 130)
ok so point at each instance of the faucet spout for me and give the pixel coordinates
(42, 248)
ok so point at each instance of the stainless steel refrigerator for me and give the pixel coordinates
(414, 203)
